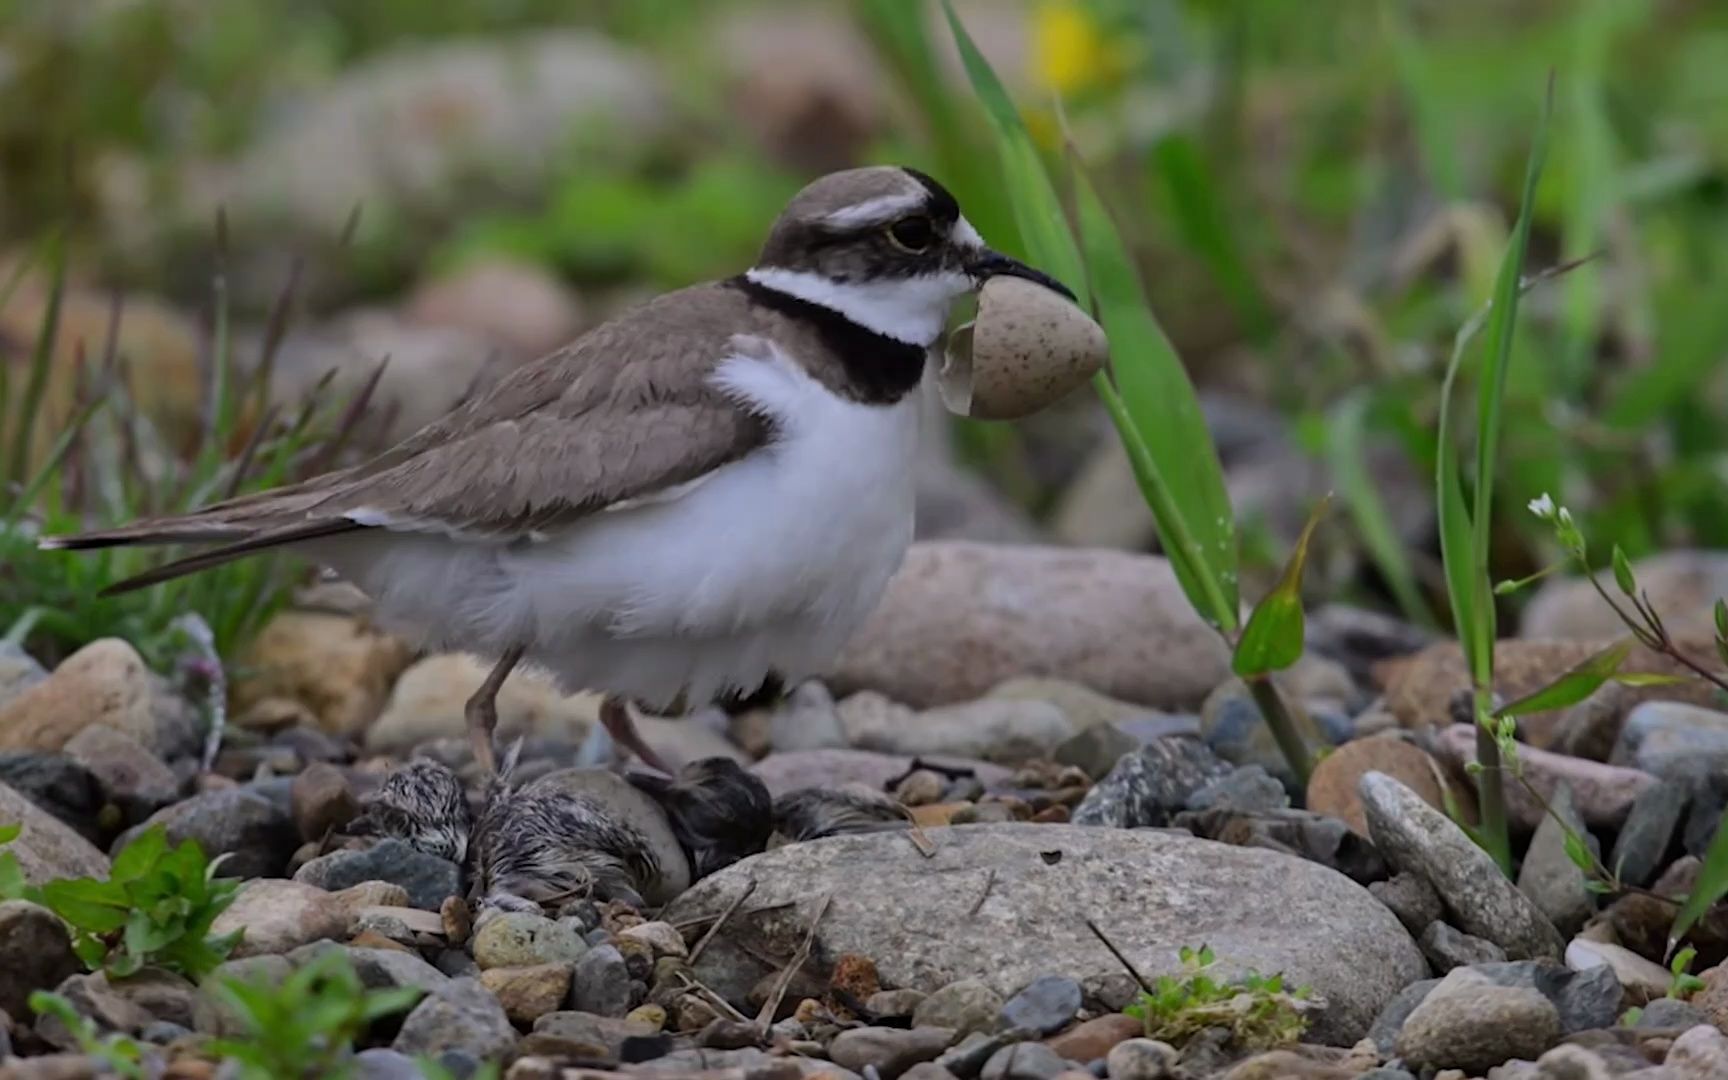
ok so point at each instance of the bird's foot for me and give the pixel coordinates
(615, 716)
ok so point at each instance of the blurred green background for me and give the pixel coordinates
(1318, 193)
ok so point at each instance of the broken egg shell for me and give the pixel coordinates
(1027, 348)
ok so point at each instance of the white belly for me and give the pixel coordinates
(767, 565)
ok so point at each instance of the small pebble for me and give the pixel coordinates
(1143, 1059)
(1024, 1061)
(458, 920)
(921, 787)
(662, 937)
(602, 982)
(1045, 1006)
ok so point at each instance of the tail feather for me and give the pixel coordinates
(204, 560)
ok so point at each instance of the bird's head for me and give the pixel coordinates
(887, 247)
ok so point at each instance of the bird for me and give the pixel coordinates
(704, 494)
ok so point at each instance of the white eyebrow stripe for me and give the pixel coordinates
(964, 234)
(871, 211)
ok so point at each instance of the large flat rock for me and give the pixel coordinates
(1007, 903)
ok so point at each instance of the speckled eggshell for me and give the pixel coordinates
(1027, 348)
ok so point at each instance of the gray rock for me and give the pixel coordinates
(1303, 833)
(1005, 912)
(1384, 1033)
(1643, 843)
(1470, 1023)
(1247, 788)
(211, 1012)
(1024, 1061)
(382, 1063)
(1046, 1005)
(162, 1032)
(460, 1015)
(748, 1061)
(427, 878)
(1417, 838)
(1142, 1059)
(57, 784)
(601, 984)
(1233, 727)
(1683, 744)
(959, 618)
(1447, 948)
(19, 671)
(963, 1007)
(35, 954)
(996, 729)
(1549, 877)
(833, 768)
(523, 939)
(606, 1032)
(966, 1059)
(1148, 787)
(894, 1004)
(929, 1070)
(1096, 750)
(256, 833)
(1700, 1053)
(1385, 1072)
(1411, 898)
(1666, 1013)
(891, 1050)
(954, 503)
(807, 720)
(1681, 584)
(379, 969)
(133, 778)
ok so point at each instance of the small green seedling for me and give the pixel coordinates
(1256, 1009)
(305, 1027)
(123, 1056)
(156, 907)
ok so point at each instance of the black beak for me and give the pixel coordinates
(989, 264)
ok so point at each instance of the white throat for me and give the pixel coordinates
(913, 310)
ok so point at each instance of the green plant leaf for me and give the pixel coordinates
(12, 883)
(141, 855)
(1572, 687)
(1273, 638)
(96, 906)
(9, 833)
(1037, 211)
(1158, 415)
(1711, 886)
(1623, 573)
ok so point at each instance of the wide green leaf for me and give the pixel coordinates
(1272, 640)
(1711, 886)
(1573, 686)
(9, 833)
(97, 906)
(141, 855)
(1037, 210)
(1181, 476)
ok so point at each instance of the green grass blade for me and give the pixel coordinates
(36, 382)
(1711, 886)
(1502, 321)
(1573, 686)
(1204, 224)
(1037, 210)
(1187, 492)
(1347, 449)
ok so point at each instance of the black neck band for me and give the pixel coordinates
(880, 369)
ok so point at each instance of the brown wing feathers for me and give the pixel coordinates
(625, 412)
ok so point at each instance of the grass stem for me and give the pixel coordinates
(1491, 791)
(1278, 717)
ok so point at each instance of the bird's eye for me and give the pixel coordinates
(913, 234)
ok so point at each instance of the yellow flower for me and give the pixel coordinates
(1070, 50)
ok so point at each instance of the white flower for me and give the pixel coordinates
(1543, 507)
(1564, 516)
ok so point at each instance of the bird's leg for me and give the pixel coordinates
(615, 715)
(481, 712)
